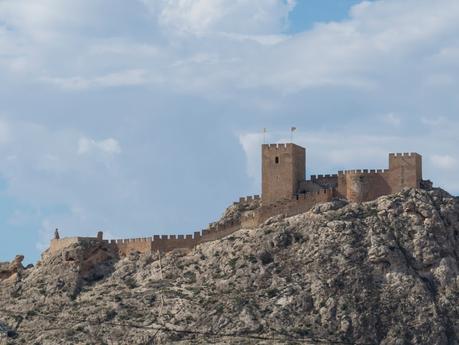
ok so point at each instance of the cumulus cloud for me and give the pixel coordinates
(160, 73)
(238, 17)
(115, 79)
(44, 171)
(445, 162)
(4, 132)
(110, 146)
(382, 47)
(392, 119)
(250, 143)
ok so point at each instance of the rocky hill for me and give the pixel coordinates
(382, 272)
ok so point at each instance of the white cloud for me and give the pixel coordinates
(252, 17)
(110, 146)
(250, 143)
(444, 162)
(4, 132)
(434, 121)
(115, 79)
(41, 20)
(381, 48)
(204, 67)
(392, 119)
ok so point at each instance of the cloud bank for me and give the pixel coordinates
(123, 120)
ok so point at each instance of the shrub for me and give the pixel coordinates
(266, 257)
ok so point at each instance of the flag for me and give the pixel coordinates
(293, 129)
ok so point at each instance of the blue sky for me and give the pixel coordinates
(147, 119)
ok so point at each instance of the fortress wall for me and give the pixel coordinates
(308, 187)
(405, 170)
(341, 188)
(166, 243)
(363, 185)
(59, 244)
(250, 219)
(303, 203)
(327, 180)
(215, 233)
(125, 246)
(247, 199)
(308, 200)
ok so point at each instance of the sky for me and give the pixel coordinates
(144, 117)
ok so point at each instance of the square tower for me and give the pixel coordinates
(283, 168)
(405, 170)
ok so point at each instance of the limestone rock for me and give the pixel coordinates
(12, 269)
(382, 272)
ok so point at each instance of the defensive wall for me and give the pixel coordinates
(405, 170)
(299, 204)
(165, 243)
(59, 244)
(284, 191)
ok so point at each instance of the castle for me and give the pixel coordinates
(284, 191)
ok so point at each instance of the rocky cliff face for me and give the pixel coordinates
(382, 272)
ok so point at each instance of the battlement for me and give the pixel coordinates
(247, 199)
(363, 171)
(312, 195)
(405, 154)
(318, 177)
(280, 146)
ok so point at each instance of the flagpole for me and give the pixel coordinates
(292, 129)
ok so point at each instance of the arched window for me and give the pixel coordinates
(276, 160)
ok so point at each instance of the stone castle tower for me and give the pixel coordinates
(406, 170)
(283, 169)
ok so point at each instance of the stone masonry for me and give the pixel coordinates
(284, 191)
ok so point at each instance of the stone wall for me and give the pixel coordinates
(284, 192)
(405, 171)
(300, 204)
(363, 185)
(59, 244)
(166, 243)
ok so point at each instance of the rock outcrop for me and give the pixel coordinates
(382, 272)
(11, 270)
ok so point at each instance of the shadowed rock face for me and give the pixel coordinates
(10, 270)
(382, 272)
